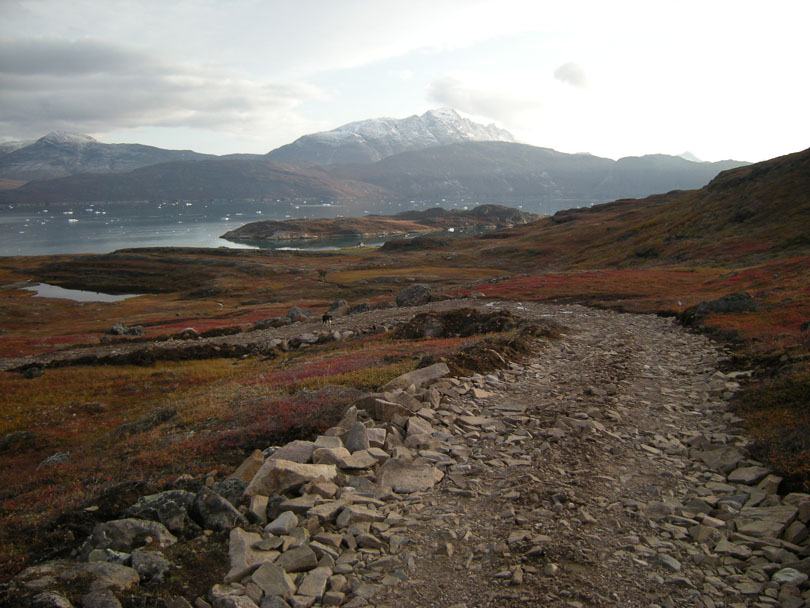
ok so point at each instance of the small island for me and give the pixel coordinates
(481, 218)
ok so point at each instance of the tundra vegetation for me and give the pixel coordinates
(163, 423)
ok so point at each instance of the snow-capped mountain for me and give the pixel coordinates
(60, 154)
(368, 141)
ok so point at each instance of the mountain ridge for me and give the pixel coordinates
(61, 154)
(368, 141)
(495, 172)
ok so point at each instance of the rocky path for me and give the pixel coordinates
(605, 471)
(589, 484)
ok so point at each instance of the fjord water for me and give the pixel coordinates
(105, 227)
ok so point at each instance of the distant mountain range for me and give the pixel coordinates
(508, 172)
(436, 156)
(59, 154)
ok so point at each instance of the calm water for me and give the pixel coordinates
(43, 290)
(105, 227)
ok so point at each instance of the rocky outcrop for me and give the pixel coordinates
(414, 295)
(736, 302)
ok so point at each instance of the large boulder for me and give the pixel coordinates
(296, 451)
(414, 295)
(299, 314)
(126, 535)
(249, 467)
(381, 409)
(231, 489)
(121, 329)
(169, 508)
(736, 302)
(244, 557)
(278, 476)
(18, 440)
(214, 512)
(407, 477)
(150, 565)
(418, 377)
(358, 308)
(339, 308)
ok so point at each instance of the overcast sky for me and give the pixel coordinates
(610, 77)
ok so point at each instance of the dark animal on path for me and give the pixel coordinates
(326, 319)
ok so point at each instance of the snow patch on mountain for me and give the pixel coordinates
(368, 141)
(66, 137)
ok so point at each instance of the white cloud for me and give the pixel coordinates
(93, 86)
(571, 73)
(491, 102)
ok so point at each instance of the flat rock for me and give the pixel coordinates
(299, 559)
(418, 377)
(407, 477)
(295, 451)
(725, 547)
(722, 459)
(362, 459)
(327, 511)
(474, 420)
(356, 438)
(314, 582)
(748, 475)
(242, 554)
(334, 456)
(353, 514)
(249, 467)
(765, 521)
(790, 576)
(277, 476)
(273, 580)
(418, 426)
(381, 409)
(282, 524)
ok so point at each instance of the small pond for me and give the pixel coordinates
(43, 290)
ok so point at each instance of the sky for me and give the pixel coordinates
(720, 79)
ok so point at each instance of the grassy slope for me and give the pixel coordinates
(743, 216)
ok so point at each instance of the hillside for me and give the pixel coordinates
(371, 140)
(484, 217)
(744, 215)
(218, 178)
(60, 154)
(539, 177)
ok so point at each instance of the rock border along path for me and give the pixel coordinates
(605, 471)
